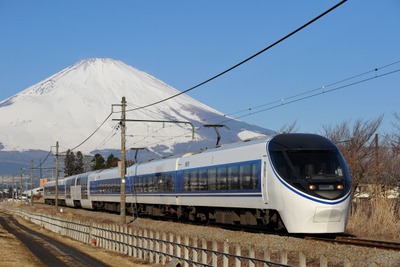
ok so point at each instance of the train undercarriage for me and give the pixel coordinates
(268, 219)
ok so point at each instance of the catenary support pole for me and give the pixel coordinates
(56, 199)
(123, 156)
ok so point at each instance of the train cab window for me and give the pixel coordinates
(282, 166)
(309, 164)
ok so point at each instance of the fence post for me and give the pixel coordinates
(178, 247)
(140, 244)
(204, 253)
(323, 261)
(238, 253)
(107, 235)
(194, 251)
(151, 246)
(284, 257)
(214, 255)
(302, 259)
(164, 248)
(251, 255)
(130, 242)
(127, 240)
(226, 251)
(347, 263)
(186, 251)
(171, 246)
(158, 247)
(135, 243)
(267, 256)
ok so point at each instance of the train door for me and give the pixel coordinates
(264, 179)
(76, 192)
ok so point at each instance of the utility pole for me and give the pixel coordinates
(13, 196)
(123, 156)
(21, 184)
(56, 200)
(31, 182)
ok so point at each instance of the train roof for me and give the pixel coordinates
(247, 142)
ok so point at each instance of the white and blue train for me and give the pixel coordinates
(297, 182)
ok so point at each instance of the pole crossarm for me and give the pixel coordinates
(162, 121)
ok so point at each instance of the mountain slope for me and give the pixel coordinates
(69, 106)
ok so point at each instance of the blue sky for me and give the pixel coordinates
(186, 42)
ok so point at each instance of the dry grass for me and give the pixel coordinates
(377, 218)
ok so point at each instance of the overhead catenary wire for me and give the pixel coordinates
(375, 76)
(245, 60)
(84, 141)
(315, 94)
(321, 88)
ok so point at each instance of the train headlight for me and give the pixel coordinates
(312, 187)
(339, 187)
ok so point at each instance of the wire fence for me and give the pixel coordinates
(162, 248)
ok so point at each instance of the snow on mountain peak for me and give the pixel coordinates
(71, 104)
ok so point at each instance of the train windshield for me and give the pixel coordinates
(310, 163)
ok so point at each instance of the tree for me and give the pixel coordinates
(357, 144)
(98, 162)
(69, 163)
(392, 154)
(289, 128)
(112, 161)
(78, 166)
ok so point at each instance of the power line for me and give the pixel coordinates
(84, 141)
(324, 87)
(316, 94)
(246, 60)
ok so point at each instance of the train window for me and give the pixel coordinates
(254, 173)
(155, 185)
(150, 183)
(212, 178)
(233, 177)
(246, 177)
(139, 187)
(186, 181)
(168, 183)
(203, 179)
(194, 180)
(145, 183)
(222, 175)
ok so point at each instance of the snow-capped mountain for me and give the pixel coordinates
(69, 106)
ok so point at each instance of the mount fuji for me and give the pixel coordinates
(71, 105)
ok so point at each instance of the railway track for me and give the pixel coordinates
(359, 242)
